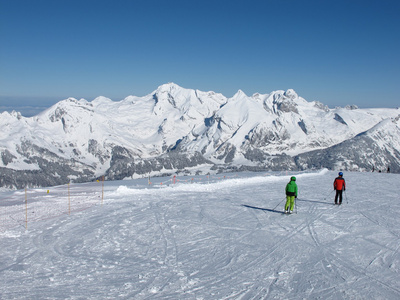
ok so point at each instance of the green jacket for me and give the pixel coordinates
(291, 188)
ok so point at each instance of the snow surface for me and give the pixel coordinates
(203, 238)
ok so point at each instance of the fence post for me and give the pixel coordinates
(26, 210)
(69, 201)
(102, 190)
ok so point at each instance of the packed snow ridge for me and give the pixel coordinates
(174, 130)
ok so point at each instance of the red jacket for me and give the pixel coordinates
(339, 184)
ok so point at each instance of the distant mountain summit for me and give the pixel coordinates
(174, 130)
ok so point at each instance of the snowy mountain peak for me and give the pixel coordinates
(239, 95)
(101, 99)
(388, 125)
(291, 94)
(72, 102)
(13, 115)
(169, 88)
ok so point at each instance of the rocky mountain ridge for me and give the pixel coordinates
(177, 130)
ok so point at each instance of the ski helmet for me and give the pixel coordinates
(340, 173)
(293, 178)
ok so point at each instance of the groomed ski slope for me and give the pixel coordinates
(218, 238)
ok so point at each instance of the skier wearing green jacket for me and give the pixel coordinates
(291, 194)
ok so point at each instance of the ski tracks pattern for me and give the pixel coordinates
(186, 246)
(341, 276)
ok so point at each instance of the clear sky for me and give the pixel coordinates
(336, 52)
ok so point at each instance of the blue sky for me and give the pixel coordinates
(335, 52)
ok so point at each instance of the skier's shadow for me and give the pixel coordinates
(264, 209)
(315, 201)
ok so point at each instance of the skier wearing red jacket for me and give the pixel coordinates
(339, 185)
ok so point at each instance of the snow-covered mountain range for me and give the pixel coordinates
(177, 130)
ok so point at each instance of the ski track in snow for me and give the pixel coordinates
(226, 239)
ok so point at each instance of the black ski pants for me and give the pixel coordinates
(339, 194)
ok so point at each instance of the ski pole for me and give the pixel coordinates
(328, 194)
(347, 200)
(295, 205)
(278, 204)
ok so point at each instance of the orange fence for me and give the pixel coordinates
(32, 205)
